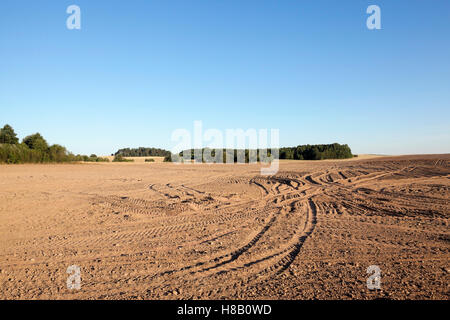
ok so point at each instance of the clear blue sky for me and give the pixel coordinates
(137, 70)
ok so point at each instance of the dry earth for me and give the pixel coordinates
(165, 231)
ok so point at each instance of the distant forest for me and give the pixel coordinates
(143, 152)
(317, 152)
(303, 152)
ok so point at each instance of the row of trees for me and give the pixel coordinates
(303, 152)
(143, 152)
(317, 152)
(35, 149)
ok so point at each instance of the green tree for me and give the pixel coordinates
(7, 135)
(36, 142)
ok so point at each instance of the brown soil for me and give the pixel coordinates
(197, 231)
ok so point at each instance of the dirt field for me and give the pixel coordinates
(165, 231)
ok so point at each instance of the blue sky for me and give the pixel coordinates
(137, 70)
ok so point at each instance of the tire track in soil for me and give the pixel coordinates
(286, 254)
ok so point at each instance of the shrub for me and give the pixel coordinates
(149, 160)
(58, 153)
(94, 158)
(20, 153)
(120, 158)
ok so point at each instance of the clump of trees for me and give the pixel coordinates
(35, 149)
(316, 152)
(142, 152)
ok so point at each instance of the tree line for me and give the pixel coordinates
(35, 149)
(301, 152)
(316, 152)
(142, 152)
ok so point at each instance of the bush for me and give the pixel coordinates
(168, 158)
(94, 158)
(58, 153)
(20, 153)
(120, 158)
(149, 160)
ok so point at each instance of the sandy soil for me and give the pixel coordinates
(197, 231)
